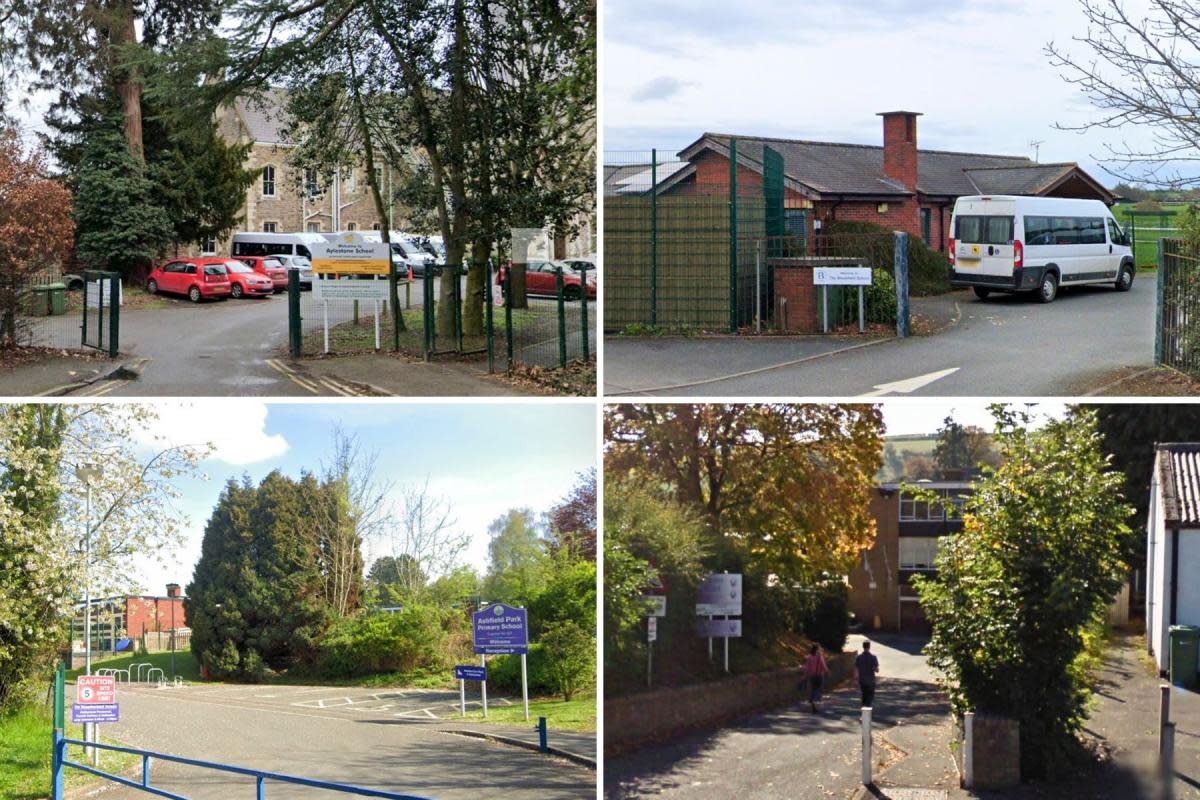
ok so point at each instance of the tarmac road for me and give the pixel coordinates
(790, 752)
(378, 738)
(1006, 346)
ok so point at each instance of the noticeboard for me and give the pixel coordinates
(500, 629)
(720, 594)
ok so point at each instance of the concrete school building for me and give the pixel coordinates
(1172, 546)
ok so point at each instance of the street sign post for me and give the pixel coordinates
(95, 700)
(654, 605)
(464, 673)
(350, 255)
(842, 276)
(501, 629)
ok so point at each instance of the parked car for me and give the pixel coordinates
(300, 264)
(198, 278)
(245, 282)
(270, 267)
(1036, 244)
(540, 280)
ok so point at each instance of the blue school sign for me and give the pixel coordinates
(468, 673)
(500, 630)
(93, 712)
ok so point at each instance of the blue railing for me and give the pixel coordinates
(61, 743)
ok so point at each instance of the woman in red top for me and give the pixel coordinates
(815, 670)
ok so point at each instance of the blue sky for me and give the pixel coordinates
(487, 457)
(915, 415)
(822, 70)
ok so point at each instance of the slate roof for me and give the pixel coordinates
(1179, 481)
(265, 118)
(857, 169)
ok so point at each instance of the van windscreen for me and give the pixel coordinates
(984, 230)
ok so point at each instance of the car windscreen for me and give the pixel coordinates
(237, 266)
(984, 229)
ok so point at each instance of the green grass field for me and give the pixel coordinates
(25, 744)
(577, 715)
(1147, 229)
(186, 665)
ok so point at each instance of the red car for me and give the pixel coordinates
(198, 278)
(245, 282)
(273, 268)
(540, 280)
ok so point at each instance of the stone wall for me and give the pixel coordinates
(997, 752)
(661, 713)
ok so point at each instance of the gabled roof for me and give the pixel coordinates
(830, 168)
(264, 118)
(1178, 467)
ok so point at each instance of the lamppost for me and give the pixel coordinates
(88, 473)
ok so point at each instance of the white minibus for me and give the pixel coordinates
(1036, 244)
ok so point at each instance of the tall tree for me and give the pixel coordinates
(963, 448)
(1033, 569)
(573, 520)
(519, 562)
(783, 487)
(396, 579)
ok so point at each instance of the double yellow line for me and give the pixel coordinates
(316, 384)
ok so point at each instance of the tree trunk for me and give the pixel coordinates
(129, 86)
(476, 278)
(516, 285)
(455, 246)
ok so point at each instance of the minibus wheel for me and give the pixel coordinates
(982, 293)
(1048, 289)
(1125, 278)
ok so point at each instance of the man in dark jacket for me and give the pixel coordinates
(866, 667)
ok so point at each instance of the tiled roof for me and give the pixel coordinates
(1179, 481)
(832, 168)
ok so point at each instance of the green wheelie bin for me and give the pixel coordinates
(1184, 646)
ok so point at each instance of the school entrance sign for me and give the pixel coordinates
(95, 699)
(501, 629)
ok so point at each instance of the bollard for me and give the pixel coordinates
(969, 750)
(1167, 760)
(866, 746)
(541, 729)
(1164, 714)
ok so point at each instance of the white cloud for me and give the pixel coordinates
(237, 430)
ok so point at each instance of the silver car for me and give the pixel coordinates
(300, 263)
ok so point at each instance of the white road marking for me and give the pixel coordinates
(909, 385)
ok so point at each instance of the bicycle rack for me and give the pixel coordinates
(150, 675)
(138, 666)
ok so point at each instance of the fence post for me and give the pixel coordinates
(562, 318)
(1167, 761)
(1160, 280)
(1164, 714)
(459, 274)
(653, 238)
(733, 235)
(83, 322)
(758, 286)
(428, 311)
(489, 317)
(900, 270)
(294, 311)
(114, 314)
(56, 765)
(583, 321)
(508, 330)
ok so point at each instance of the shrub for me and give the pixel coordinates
(504, 672)
(571, 657)
(828, 619)
(401, 642)
(928, 269)
(570, 595)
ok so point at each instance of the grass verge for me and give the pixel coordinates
(186, 665)
(577, 714)
(25, 744)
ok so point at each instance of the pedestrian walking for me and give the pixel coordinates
(866, 667)
(815, 670)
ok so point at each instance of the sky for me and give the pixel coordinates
(913, 415)
(822, 69)
(487, 458)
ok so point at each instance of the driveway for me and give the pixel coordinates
(791, 752)
(1009, 345)
(379, 738)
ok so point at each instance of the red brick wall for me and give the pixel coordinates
(712, 177)
(902, 215)
(884, 559)
(796, 285)
(150, 613)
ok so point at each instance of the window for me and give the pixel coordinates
(268, 188)
(950, 508)
(984, 230)
(351, 226)
(1115, 234)
(375, 226)
(314, 227)
(351, 183)
(918, 552)
(379, 177)
(1064, 230)
(310, 182)
(208, 245)
(269, 227)
(927, 224)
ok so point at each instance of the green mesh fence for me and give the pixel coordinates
(1178, 335)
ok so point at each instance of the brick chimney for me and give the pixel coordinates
(172, 590)
(900, 147)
